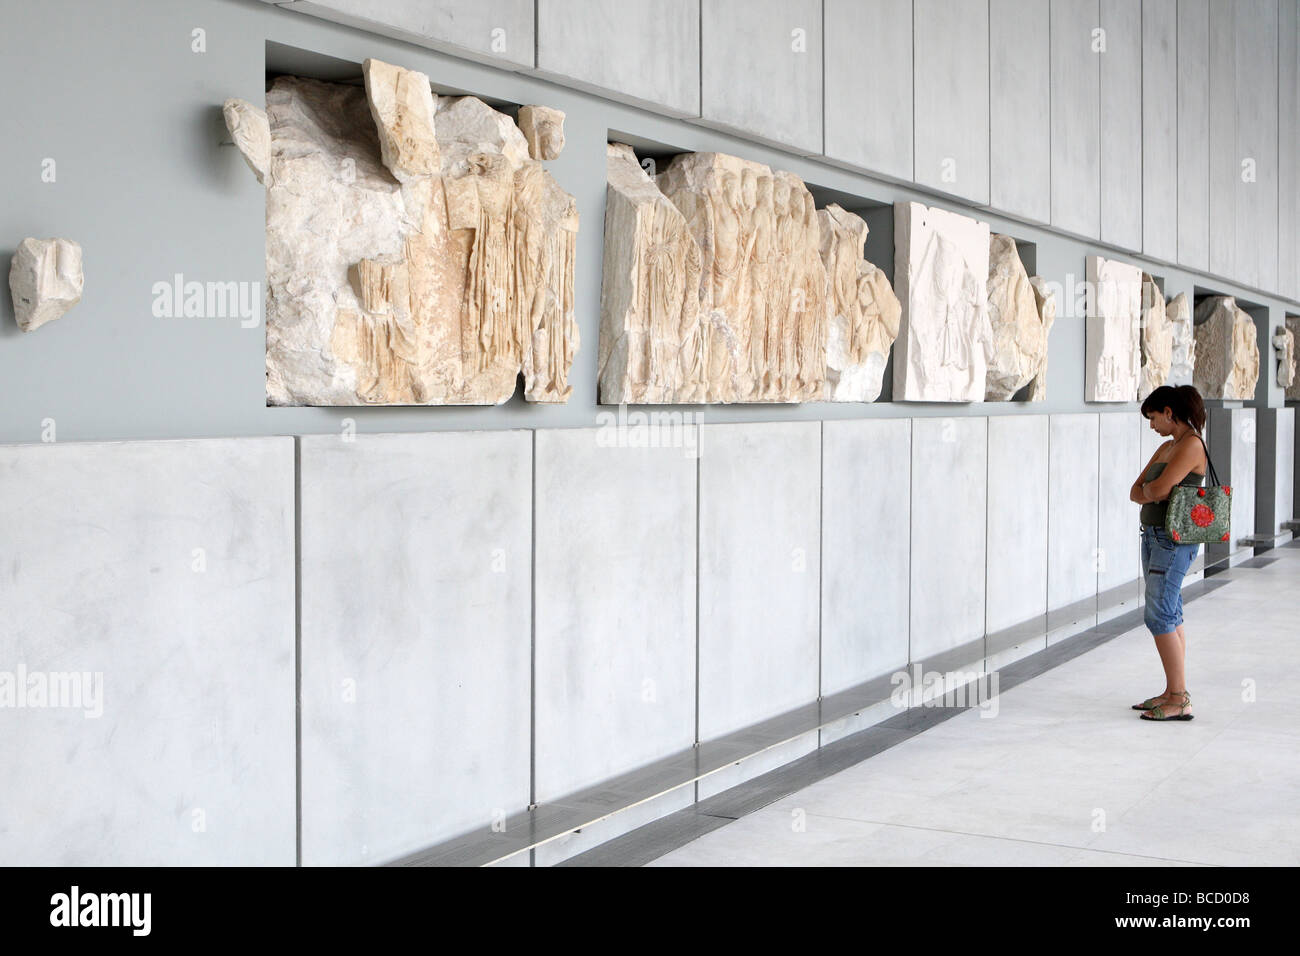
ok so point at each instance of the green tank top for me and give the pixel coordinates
(1153, 512)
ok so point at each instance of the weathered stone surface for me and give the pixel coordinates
(941, 269)
(762, 282)
(1113, 330)
(1045, 303)
(401, 104)
(1183, 361)
(651, 344)
(1019, 339)
(1157, 339)
(45, 279)
(543, 128)
(1227, 354)
(1293, 326)
(251, 133)
(415, 253)
(1284, 345)
(862, 312)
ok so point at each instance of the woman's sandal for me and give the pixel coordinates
(1148, 703)
(1158, 712)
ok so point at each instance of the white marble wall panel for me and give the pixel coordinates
(416, 570)
(1288, 149)
(883, 85)
(160, 573)
(1073, 448)
(1225, 164)
(1120, 462)
(1121, 124)
(1244, 425)
(615, 618)
(637, 52)
(950, 495)
(1017, 520)
(866, 521)
(494, 31)
(759, 552)
(1075, 119)
(1160, 129)
(1020, 136)
(1255, 255)
(1193, 134)
(1275, 462)
(762, 69)
(950, 82)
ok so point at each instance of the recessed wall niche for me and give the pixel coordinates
(417, 252)
(729, 281)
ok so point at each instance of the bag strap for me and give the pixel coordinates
(1214, 478)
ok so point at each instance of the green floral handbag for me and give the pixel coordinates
(1200, 515)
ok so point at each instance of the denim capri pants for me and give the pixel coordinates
(1164, 565)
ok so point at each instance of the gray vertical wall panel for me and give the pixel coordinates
(1225, 168)
(647, 53)
(416, 572)
(1255, 253)
(1288, 149)
(1076, 131)
(866, 502)
(1020, 102)
(615, 606)
(495, 31)
(1160, 129)
(950, 78)
(869, 99)
(753, 80)
(1193, 134)
(1118, 528)
(760, 518)
(1073, 464)
(1121, 124)
(194, 712)
(1017, 519)
(949, 533)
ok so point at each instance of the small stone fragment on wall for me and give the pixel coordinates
(543, 128)
(251, 134)
(416, 254)
(1019, 335)
(1112, 331)
(1227, 353)
(1157, 339)
(1284, 345)
(862, 311)
(941, 270)
(45, 280)
(1183, 350)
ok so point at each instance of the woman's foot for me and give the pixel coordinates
(1174, 706)
(1152, 701)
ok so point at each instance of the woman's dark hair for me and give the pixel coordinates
(1184, 401)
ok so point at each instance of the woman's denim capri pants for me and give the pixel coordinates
(1164, 565)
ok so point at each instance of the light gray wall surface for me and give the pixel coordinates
(415, 650)
(1160, 129)
(1076, 117)
(166, 568)
(1121, 124)
(1074, 465)
(1020, 153)
(1193, 134)
(1016, 589)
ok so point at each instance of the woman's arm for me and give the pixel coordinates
(1186, 454)
(1136, 494)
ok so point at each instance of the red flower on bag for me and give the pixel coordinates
(1227, 490)
(1225, 536)
(1176, 536)
(1200, 492)
(1202, 515)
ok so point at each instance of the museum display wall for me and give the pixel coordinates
(195, 504)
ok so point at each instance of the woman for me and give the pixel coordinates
(1178, 413)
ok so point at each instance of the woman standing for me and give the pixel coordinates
(1178, 413)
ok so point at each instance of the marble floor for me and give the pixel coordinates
(1065, 773)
